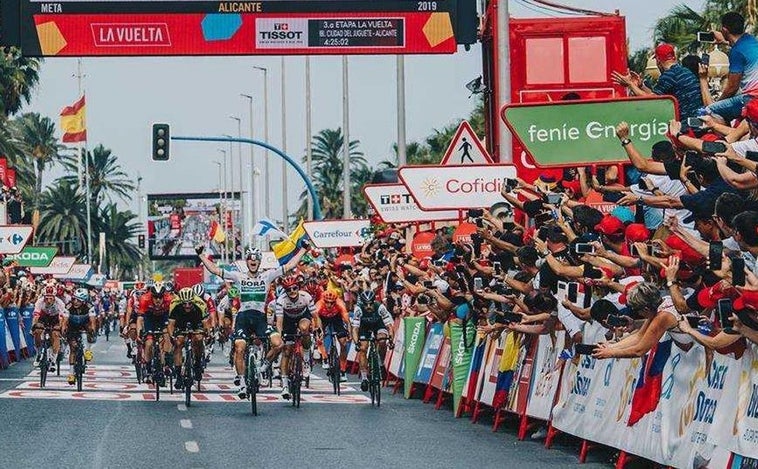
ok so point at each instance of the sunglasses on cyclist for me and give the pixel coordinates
(294, 288)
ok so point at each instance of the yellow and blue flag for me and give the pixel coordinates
(287, 248)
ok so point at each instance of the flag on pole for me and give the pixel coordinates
(286, 249)
(216, 232)
(266, 227)
(74, 122)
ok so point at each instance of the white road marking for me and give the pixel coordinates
(191, 446)
(185, 423)
(181, 407)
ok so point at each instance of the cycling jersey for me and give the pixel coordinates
(336, 309)
(285, 306)
(253, 287)
(148, 307)
(197, 302)
(379, 314)
(83, 310)
(51, 310)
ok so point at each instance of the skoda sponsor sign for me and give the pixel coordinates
(34, 256)
(338, 233)
(281, 33)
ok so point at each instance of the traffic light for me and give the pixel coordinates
(161, 136)
(141, 241)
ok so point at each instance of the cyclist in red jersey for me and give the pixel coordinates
(331, 311)
(152, 316)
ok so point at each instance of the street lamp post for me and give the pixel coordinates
(285, 214)
(252, 212)
(220, 200)
(308, 130)
(231, 204)
(267, 192)
(243, 215)
(346, 209)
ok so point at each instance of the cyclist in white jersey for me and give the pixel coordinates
(294, 311)
(251, 319)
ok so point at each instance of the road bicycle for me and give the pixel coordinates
(333, 359)
(80, 365)
(192, 367)
(375, 369)
(295, 374)
(255, 352)
(44, 356)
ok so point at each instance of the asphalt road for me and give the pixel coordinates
(114, 423)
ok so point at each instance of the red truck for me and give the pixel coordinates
(187, 276)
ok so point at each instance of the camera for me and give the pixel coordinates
(475, 212)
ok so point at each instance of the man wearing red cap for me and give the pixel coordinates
(675, 80)
(742, 81)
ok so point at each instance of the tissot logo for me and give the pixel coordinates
(280, 33)
(281, 27)
(395, 199)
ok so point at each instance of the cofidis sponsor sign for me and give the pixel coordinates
(456, 187)
(337, 233)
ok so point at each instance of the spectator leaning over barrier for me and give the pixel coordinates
(644, 300)
(742, 82)
(675, 80)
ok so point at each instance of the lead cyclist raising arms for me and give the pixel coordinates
(251, 319)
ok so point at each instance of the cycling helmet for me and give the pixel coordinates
(366, 297)
(290, 282)
(81, 294)
(49, 291)
(253, 253)
(186, 295)
(169, 286)
(198, 289)
(330, 296)
(158, 288)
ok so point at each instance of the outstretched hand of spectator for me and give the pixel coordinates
(621, 79)
(671, 268)
(622, 130)
(675, 127)
(702, 72)
(629, 199)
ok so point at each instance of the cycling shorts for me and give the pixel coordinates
(76, 325)
(337, 325)
(289, 326)
(369, 326)
(49, 321)
(250, 323)
(153, 323)
(133, 318)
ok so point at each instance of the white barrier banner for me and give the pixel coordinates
(739, 422)
(396, 361)
(491, 367)
(547, 376)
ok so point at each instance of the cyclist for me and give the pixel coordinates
(152, 316)
(47, 313)
(294, 310)
(80, 317)
(331, 311)
(370, 316)
(188, 313)
(129, 321)
(251, 319)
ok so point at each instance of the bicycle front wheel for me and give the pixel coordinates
(43, 365)
(251, 382)
(188, 378)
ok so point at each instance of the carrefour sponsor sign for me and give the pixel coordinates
(456, 187)
(569, 132)
(338, 233)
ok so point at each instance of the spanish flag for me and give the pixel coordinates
(286, 249)
(217, 233)
(74, 122)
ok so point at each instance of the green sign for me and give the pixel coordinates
(461, 348)
(34, 256)
(571, 132)
(415, 336)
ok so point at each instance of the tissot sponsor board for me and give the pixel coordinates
(280, 33)
(394, 204)
(337, 233)
(456, 187)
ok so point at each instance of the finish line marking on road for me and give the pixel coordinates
(118, 383)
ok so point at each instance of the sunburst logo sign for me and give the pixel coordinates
(430, 186)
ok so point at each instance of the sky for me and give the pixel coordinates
(196, 95)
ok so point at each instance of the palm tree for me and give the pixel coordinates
(107, 178)
(415, 154)
(18, 77)
(63, 221)
(327, 171)
(120, 228)
(36, 140)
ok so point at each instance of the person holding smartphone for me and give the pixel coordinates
(675, 80)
